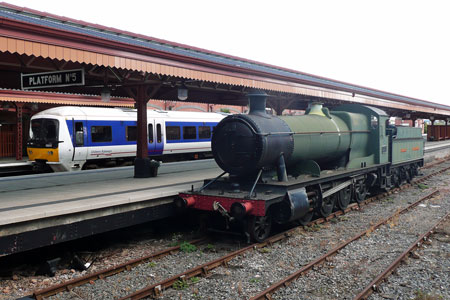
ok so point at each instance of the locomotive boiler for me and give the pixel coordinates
(290, 168)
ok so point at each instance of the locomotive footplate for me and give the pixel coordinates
(226, 193)
(253, 207)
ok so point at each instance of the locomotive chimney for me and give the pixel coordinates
(257, 102)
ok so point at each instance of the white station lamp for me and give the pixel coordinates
(182, 93)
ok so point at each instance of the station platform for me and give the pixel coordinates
(45, 209)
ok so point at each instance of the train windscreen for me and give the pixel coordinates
(44, 133)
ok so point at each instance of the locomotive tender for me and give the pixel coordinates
(291, 168)
(70, 138)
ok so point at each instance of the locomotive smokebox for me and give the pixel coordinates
(244, 144)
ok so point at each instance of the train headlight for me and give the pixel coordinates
(50, 152)
(30, 152)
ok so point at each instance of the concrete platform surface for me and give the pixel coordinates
(30, 197)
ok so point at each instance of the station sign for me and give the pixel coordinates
(52, 79)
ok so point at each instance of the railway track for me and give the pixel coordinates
(204, 269)
(266, 294)
(69, 285)
(373, 285)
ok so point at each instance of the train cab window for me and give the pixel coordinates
(189, 133)
(100, 134)
(131, 133)
(150, 133)
(51, 131)
(44, 132)
(158, 133)
(79, 134)
(173, 133)
(204, 132)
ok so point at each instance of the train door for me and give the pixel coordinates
(155, 139)
(79, 141)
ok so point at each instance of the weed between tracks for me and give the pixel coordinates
(182, 284)
(187, 247)
(423, 186)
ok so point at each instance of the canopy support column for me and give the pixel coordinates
(19, 132)
(142, 161)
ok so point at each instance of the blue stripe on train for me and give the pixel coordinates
(119, 133)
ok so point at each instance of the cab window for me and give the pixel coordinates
(44, 131)
(373, 121)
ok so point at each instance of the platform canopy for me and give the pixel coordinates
(33, 41)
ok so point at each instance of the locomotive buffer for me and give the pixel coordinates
(291, 168)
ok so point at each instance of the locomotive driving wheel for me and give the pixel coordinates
(360, 190)
(328, 205)
(259, 227)
(344, 198)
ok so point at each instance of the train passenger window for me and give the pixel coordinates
(204, 132)
(150, 133)
(131, 133)
(79, 134)
(101, 134)
(173, 133)
(158, 133)
(189, 133)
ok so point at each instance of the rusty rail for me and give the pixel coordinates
(68, 285)
(437, 162)
(266, 294)
(367, 291)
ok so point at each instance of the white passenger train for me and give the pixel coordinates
(70, 138)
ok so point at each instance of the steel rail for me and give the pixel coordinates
(368, 290)
(40, 294)
(266, 294)
(68, 285)
(437, 162)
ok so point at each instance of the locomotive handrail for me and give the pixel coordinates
(313, 132)
(298, 133)
(254, 184)
(204, 186)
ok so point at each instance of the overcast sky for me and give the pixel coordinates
(399, 46)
